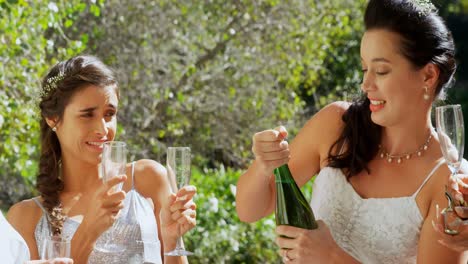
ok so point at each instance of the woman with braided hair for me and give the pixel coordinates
(79, 104)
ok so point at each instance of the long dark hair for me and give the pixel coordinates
(58, 86)
(425, 39)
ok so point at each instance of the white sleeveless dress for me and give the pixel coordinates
(136, 229)
(372, 230)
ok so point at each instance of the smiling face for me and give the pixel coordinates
(88, 121)
(393, 85)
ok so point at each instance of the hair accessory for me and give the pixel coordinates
(426, 95)
(51, 84)
(424, 6)
(399, 158)
(58, 219)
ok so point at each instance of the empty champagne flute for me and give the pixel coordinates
(114, 161)
(451, 132)
(55, 247)
(178, 173)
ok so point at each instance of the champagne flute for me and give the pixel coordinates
(55, 247)
(178, 173)
(451, 132)
(114, 161)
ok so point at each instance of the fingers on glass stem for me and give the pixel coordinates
(451, 222)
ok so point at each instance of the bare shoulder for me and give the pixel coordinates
(327, 125)
(24, 211)
(24, 215)
(333, 112)
(310, 148)
(329, 117)
(338, 107)
(150, 177)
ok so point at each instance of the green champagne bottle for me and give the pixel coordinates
(291, 206)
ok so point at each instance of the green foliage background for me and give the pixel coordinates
(206, 74)
(26, 52)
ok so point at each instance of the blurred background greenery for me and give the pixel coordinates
(205, 74)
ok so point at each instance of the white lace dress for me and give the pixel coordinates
(373, 230)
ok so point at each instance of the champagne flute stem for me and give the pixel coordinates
(179, 242)
(110, 238)
(449, 199)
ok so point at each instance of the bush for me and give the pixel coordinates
(220, 237)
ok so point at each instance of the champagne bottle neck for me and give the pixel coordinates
(283, 174)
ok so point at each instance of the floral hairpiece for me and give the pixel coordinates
(57, 220)
(51, 84)
(425, 6)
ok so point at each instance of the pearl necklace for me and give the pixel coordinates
(399, 158)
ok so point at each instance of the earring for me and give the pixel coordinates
(426, 95)
(54, 129)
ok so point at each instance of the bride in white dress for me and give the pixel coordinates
(379, 165)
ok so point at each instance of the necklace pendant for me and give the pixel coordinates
(382, 155)
(408, 156)
(389, 160)
(419, 153)
(399, 160)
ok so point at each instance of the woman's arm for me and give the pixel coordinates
(429, 249)
(308, 153)
(151, 181)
